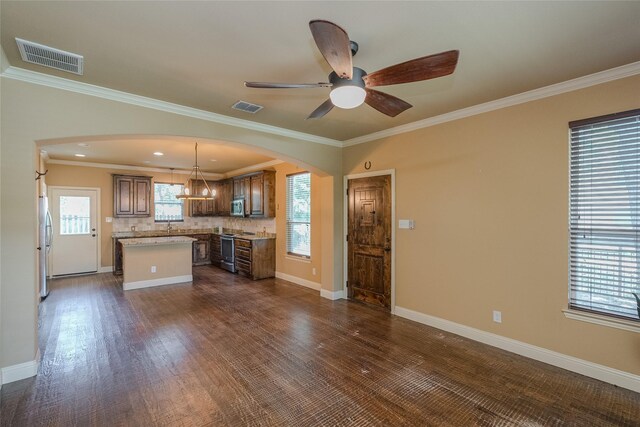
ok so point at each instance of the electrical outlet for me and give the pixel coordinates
(313, 271)
(497, 316)
(153, 270)
(108, 219)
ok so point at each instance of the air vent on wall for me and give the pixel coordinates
(50, 57)
(247, 107)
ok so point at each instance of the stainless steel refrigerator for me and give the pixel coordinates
(45, 240)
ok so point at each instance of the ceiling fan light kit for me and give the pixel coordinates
(348, 93)
(351, 86)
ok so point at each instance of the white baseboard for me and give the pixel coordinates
(20, 371)
(107, 269)
(590, 369)
(332, 295)
(298, 281)
(157, 282)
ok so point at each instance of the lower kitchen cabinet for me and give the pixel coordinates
(216, 249)
(255, 259)
(201, 249)
(117, 256)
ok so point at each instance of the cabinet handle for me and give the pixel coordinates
(93, 235)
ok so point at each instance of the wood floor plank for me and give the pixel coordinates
(228, 351)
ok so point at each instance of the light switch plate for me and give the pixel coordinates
(407, 223)
(108, 219)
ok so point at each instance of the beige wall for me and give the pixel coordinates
(31, 113)
(489, 195)
(293, 266)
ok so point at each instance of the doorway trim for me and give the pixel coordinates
(98, 218)
(345, 221)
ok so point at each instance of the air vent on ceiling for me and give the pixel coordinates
(247, 107)
(50, 57)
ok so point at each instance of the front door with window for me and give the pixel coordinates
(369, 240)
(75, 237)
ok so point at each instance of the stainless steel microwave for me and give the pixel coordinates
(237, 207)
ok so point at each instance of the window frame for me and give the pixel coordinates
(290, 253)
(595, 229)
(155, 202)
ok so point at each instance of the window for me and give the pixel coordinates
(604, 235)
(75, 215)
(166, 206)
(299, 214)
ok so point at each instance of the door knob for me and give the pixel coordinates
(93, 235)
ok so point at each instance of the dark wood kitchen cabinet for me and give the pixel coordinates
(224, 195)
(255, 259)
(131, 196)
(117, 256)
(259, 193)
(263, 200)
(201, 249)
(216, 249)
(202, 207)
(220, 205)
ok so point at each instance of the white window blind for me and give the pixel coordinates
(605, 214)
(166, 206)
(299, 214)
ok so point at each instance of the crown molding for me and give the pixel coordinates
(532, 95)
(130, 168)
(28, 76)
(253, 168)
(115, 95)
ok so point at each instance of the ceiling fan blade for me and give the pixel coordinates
(333, 43)
(267, 85)
(385, 103)
(323, 109)
(427, 67)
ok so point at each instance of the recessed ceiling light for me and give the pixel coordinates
(158, 153)
(80, 155)
(212, 160)
(146, 161)
(82, 144)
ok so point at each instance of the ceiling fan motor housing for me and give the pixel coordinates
(356, 80)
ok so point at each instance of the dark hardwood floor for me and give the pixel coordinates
(229, 351)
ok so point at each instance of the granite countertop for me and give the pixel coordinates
(252, 237)
(152, 241)
(183, 232)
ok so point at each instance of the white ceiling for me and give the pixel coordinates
(213, 156)
(198, 54)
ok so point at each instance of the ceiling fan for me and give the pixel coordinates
(351, 86)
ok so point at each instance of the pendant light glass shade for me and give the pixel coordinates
(189, 192)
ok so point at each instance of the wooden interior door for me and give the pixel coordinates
(369, 240)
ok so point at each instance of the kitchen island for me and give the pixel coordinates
(156, 261)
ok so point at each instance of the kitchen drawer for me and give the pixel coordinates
(243, 253)
(243, 266)
(243, 243)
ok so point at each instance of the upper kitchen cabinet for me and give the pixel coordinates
(220, 205)
(259, 193)
(224, 195)
(242, 190)
(131, 196)
(202, 207)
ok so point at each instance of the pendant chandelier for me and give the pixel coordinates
(189, 192)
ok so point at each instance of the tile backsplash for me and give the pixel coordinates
(252, 225)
